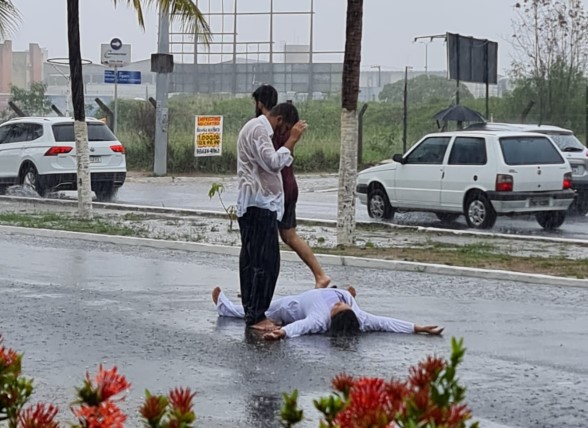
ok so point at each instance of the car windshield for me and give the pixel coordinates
(64, 132)
(567, 142)
(529, 151)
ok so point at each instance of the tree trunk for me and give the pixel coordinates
(77, 95)
(349, 95)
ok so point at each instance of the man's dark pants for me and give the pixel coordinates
(259, 262)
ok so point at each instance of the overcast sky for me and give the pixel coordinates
(389, 28)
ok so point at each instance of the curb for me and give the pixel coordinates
(302, 221)
(358, 262)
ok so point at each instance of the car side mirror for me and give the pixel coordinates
(398, 158)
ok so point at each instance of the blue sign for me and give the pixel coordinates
(116, 43)
(124, 77)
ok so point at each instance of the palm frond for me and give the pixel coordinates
(9, 18)
(186, 12)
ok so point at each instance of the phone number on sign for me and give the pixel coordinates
(208, 151)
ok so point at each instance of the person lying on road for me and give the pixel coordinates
(321, 310)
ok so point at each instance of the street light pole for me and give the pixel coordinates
(405, 109)
(379, 67)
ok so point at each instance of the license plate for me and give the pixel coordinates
(539, 202)
(95, 159)
(575, 171)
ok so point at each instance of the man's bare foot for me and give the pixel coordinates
(265, 325)
(323, 282)
(215, 293)
(352, 291)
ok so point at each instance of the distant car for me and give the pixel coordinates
(479, 174)
(40, 152)
(573, 150)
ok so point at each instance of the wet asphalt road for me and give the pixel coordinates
(318, 200)
(70, 305)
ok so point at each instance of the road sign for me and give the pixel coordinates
(115, 53)
(124, 77)
(116, 43)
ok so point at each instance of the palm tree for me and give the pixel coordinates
(9, 18)
(349, 95)
(193, 21)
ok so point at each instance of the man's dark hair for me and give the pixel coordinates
(344, 323)
(288, 112)
(267, 95)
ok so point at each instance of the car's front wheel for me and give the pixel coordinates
(479, 212)
(29, 177)
(379, 205)
(550, 220)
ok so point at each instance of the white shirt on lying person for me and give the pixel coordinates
(258, 168)
(310, 312)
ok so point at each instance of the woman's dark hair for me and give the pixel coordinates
(344, 323)
(267, 95)
(288, 112)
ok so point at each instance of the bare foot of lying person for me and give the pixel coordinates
(215, 293)
(265, 325)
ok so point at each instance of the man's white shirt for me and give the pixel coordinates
(258, 168)
(310, 312)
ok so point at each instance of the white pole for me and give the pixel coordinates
(115, 127)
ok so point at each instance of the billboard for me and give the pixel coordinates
(472, 60)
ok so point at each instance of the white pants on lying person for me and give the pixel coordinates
(312, 311)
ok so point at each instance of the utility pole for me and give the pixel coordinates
(379, 68)
(405, 109)
(161, 94)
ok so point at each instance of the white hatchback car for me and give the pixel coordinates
(40, 152)
(572, 149)
(478, 174)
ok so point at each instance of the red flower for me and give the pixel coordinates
(397, 392)
(153, 408)
(106, 415)
(39, 416)
(181, 400)
(458, 414)
(109, 383)
(8, 357)
(343, 383)
(369, 405)
(425, 372)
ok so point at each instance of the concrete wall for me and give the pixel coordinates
(5, 66)
(20, 68)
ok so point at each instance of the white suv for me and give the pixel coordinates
(478, 174)
(40, 152)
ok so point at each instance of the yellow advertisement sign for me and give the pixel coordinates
(208, 139)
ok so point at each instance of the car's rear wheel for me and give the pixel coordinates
(379, 205)
(479, 212)
(29, 177)
(447, 217)
(105, 192)
(550, 220)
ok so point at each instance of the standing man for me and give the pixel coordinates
(266, 98)
(260, 205)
